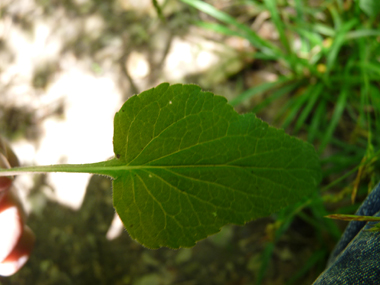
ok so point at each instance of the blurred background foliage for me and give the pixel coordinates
(326, 58)
(311, 67)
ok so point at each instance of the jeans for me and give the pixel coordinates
(356, 258)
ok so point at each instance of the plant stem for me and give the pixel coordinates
(101, 168)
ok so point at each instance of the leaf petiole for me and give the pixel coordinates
(106, 168)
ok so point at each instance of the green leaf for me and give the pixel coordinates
(186, 164)
(198, 165)
(370, 7)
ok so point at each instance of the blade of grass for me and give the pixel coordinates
(361, 34)
(339, 108)
(263, 56)
(294, 105)
(313, 41)
(285, 217)
(335, 17)
(318, 210)
(158, 10)
(219, 29)
(346, 146)
(347, 174)
(314, 92)
(337, 44)
(306, 44)
(318, 118)
(338, 111)
(265, 259)
(370, 7)
(259, 89)
(371, 66)
(365, 118)
(275, 17)
(340, 161)
(337, 165)
(310, 220)
(299, 9)
(353, 79)
(314, 38)
(344, 217)
(365, 86)
(316, 220)
(293, 61)
(265, 46)
(324, 30)
(375, 102)
(348, 209)
(286, 89)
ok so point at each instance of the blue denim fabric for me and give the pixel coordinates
(356, 258)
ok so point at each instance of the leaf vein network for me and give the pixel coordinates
(218, 185)
(158, 135)
(162, 208)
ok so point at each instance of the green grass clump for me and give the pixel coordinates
(329, 58)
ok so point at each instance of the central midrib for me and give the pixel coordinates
(109, 168)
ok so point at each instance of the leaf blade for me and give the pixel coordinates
(194, 164)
